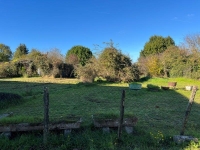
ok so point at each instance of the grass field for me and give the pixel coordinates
(160, 113)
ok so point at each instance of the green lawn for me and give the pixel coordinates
(160, 113)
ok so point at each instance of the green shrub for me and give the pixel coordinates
(8, 69)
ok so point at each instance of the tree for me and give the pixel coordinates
(142, 65)
(8, 69)
(44, 65)
(115, 66)
(34, 54)
(82, 53)
(154, 65)
(20, 51)
(192, 43)
(89, 71)
(192, 46)
(174, 62)
(56, 59)
(73, 59)
(5, 53)
(130, 73)
(156, 45)
(168, 58)
(150, 66)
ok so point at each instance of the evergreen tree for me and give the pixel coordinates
(83, 54)
(156, 45)
(20, 51)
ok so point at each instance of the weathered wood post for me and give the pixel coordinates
(121, 115)
(46, 115)
(189, 106)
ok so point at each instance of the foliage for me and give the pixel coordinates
(34, 55)
(47, 64)
(171, 57)
(150, 66)
(44, 65)
(56, 59)
(129, 74)
(192, 43)
(8, 69)
(193, 64)
(66, 70)
(116, 66)
(20, 51)
(156, 45)
(154, 66)
(183, 61)
(174, 61)
(82, 53)
(192, 46)
(43, 61)
(5, 53)
(51, 63)
(142, 66)
(89, 71)
(73, 59)
(25, 67)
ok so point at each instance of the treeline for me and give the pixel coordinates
(160, 57)
(79, 62)
(34, 63)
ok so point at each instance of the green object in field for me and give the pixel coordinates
(135, 86)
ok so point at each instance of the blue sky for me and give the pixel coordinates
(62, 24)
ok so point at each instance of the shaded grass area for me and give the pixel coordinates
(9, 99)
(89, 139)
(160, 113)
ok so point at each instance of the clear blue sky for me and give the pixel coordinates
(62, 24)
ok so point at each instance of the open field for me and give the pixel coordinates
(160, 113)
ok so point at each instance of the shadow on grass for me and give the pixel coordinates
(144, 79)
(9, 99)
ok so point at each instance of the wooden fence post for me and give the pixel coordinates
(121, 115)
(189, 106)
(46, 115)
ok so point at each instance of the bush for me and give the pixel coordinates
(88, 72)
(8, 70)
(115, 66)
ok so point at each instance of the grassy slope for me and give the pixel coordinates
(158, 112)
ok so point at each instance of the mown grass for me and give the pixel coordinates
(160, 113)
